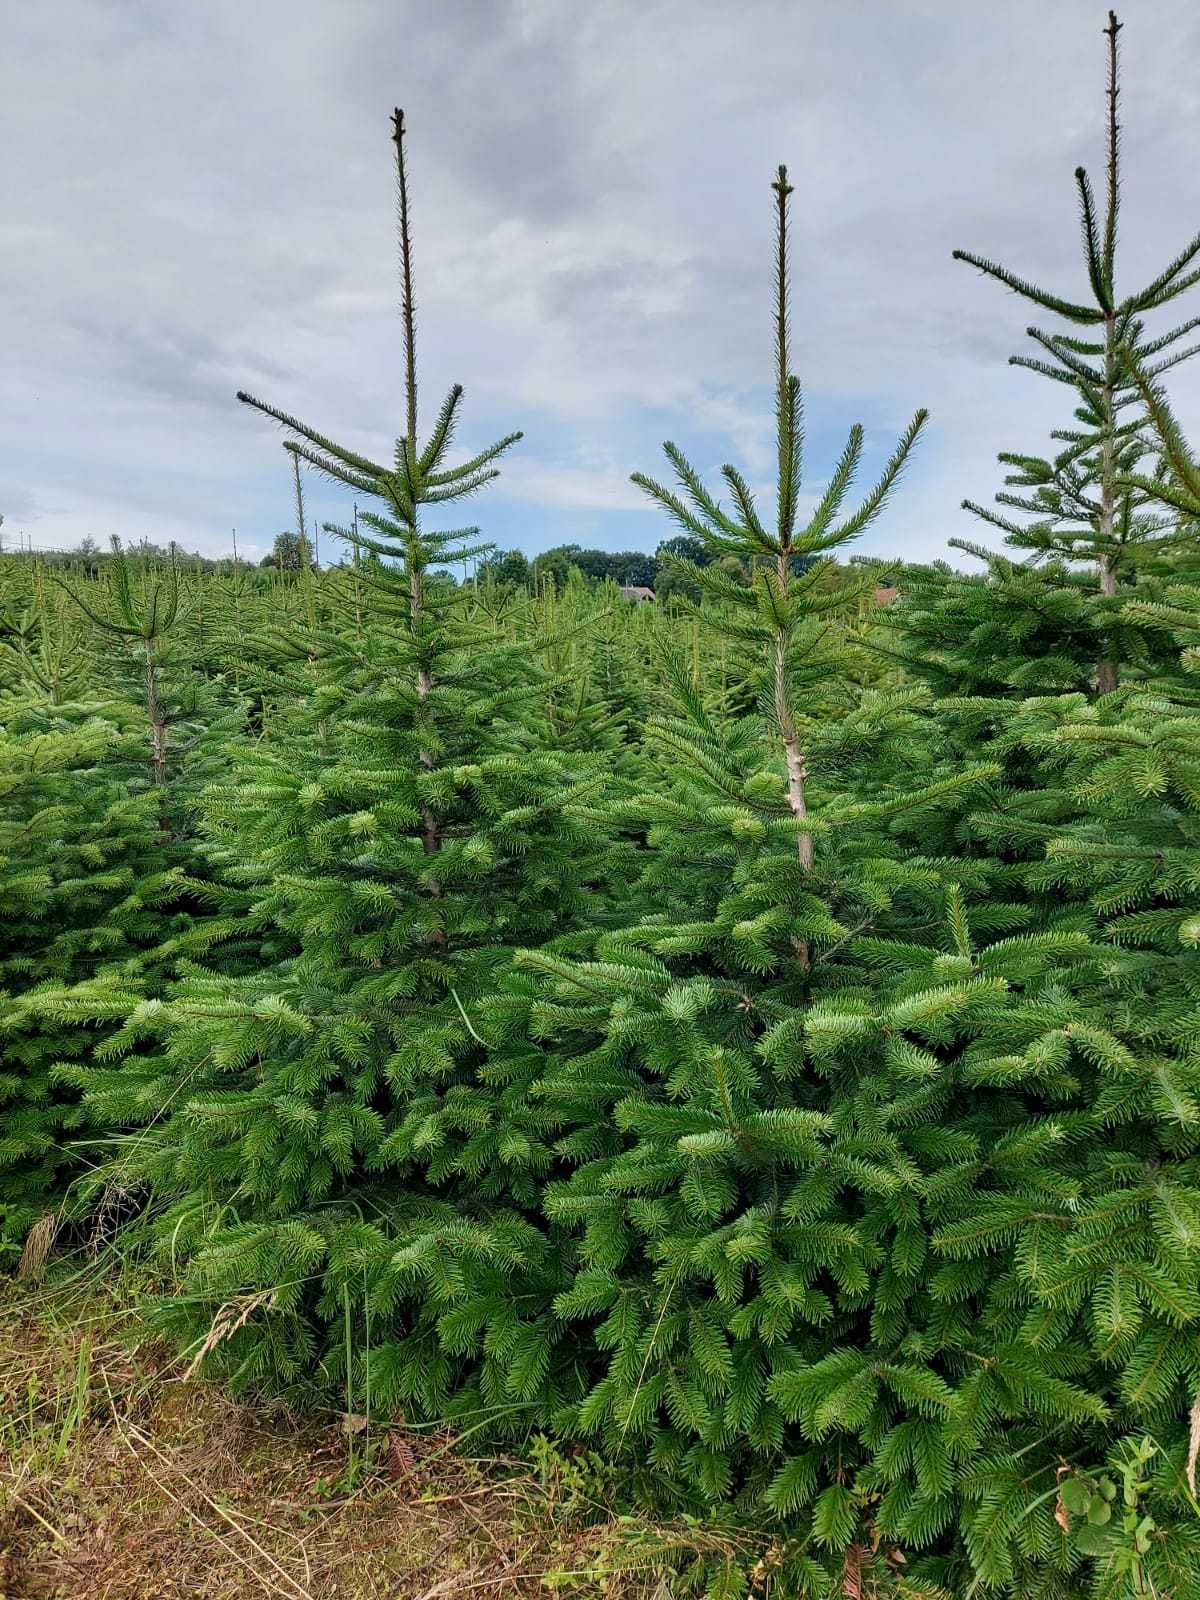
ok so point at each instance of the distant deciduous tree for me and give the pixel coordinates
(290, 553)
(685, 547)
(509, 567)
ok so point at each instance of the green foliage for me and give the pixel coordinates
(1096, 499)
(743, 1048)
(289, 553)
(104, 737)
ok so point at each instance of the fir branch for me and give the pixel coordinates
(348, 458)
(873, 504)
(1085, 315)
(1098, 269)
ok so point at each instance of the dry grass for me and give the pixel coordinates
(123, 1479)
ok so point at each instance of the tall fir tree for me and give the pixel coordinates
(299, 1112)
(735, 1210)
(1085, 503)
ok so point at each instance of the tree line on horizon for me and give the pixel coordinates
(292, 551)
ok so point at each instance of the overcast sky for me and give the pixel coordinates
(198, 197)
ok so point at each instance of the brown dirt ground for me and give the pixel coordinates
(121, 1479)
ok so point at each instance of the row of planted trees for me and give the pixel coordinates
(755, 1041)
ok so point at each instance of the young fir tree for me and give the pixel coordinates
(302, 1113)
(1084, 504)
(1110, 1262)
(1078, 1247)
(1044, 627)
(90, 892)
(739, 1213)
(828, 1136)
(139, 614)
(42, 655)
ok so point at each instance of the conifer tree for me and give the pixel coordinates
(139, 615)
(1086, 503)
(42, 655)
(90, 892)
(1043, 627)
(321, 1098)
(785, 612)
(1090, 1077)
(64, 845)
(721, 1187)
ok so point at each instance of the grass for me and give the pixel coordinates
(124, 1478)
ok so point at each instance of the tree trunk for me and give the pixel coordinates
(158, 736)
(1106, 670)
(797, 767)
(431, 840)
(794, 758)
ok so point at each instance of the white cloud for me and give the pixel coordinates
(560, 486)
(197, 198)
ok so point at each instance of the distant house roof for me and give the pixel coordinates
(636, 591)
(885, 594)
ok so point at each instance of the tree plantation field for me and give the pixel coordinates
(730, 1060)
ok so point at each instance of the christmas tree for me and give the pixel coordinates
(390, 866)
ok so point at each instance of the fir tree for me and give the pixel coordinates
(1086, 503)
(721, 1187)
(88, 898)
(785, 611)
(58, 872)
(42, 654)
(302, 1111)
(139, 613)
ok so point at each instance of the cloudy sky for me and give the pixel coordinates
(198, 197)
